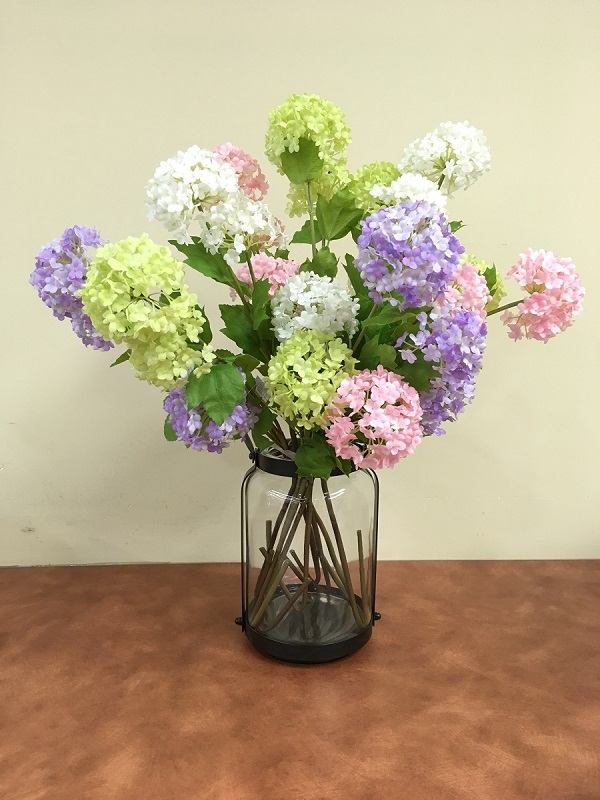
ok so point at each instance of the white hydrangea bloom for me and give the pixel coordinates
(455, 153)
(410, 186)
(198, 188)
(311, 302)
(181, 184)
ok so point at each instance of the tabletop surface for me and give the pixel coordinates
(482, 680)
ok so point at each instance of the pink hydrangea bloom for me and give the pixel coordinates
(555, 296)
(276, 270)
(468, 291)
(382, 408)
(251, 179)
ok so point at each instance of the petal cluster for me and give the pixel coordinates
(454, 156)
(374, 419)
(365, 180)
(497, 291)
(407, 250)
(304, 375)
(60, 273)
(308, 116)
(276, 270)
(197, 430)
(412, 187)
(251, 179)
(135, 294)
(468, 290)
(313, 302)
(555, 296)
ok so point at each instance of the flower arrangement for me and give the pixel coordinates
(341, 363)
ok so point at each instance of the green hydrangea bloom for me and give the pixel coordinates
(498, 291)
(308, 116)
(380, 173)
(135, 294)
(304, 375)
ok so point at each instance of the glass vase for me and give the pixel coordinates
(309, 556)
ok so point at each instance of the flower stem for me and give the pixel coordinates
(504, 308)
(238, 287)
(312, 220)
(361, 335)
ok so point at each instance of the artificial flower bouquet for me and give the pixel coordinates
(341, 363)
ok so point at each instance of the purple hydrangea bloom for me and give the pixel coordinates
(59, 273)
(194, 427)
(407, 249)
(455, 341)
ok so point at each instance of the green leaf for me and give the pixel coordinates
(419, 375)
(122, 358)
(263, 425)
(315, 458)
(281, 253)
(456, 225)
(304, 165)
(170, 434)
(360, 290)
(206, 332)
(337, 217)
(344, 465)
(373, 353)
(303, 236)
(385, 314)
(323, 264)
(260, 298)
(491, 278)
(240, 329)
(219, 390)
(247, 363)
(213, 265)
(225, 355)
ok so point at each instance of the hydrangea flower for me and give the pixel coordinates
(468, 290)
(308, 116)
(275, 270)
(497, 291)
(409, 250)
(135, 294)
(454, 340)
(251, 179)
(412, 187)
(311, 302)
(60, 272)
(555, 296)
(304, 375)
(378, 175)
(197, 430)
(374, 419)
(454, 156)
(198, 188)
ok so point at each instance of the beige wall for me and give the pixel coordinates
(95, 94)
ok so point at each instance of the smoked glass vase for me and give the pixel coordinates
(309, 555)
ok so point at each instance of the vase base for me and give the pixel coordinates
(321, 628)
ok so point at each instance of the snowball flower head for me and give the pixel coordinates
(308, 116)
(497, 291)
(181, 185)
(454, 156)
(276, 270)
(197, 430)
(379, 174)
(251, 179)
(468, 290)
(407, 250)
(135, 294)
(311, 302)
(60, 273)
(374, 419)
(555, 296)
(412, 187)
(304, 374)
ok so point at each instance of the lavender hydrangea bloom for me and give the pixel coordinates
(59, 273)
(407, 249)
(194, 427)
(454, 340)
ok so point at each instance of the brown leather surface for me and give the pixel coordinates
(482, 681)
